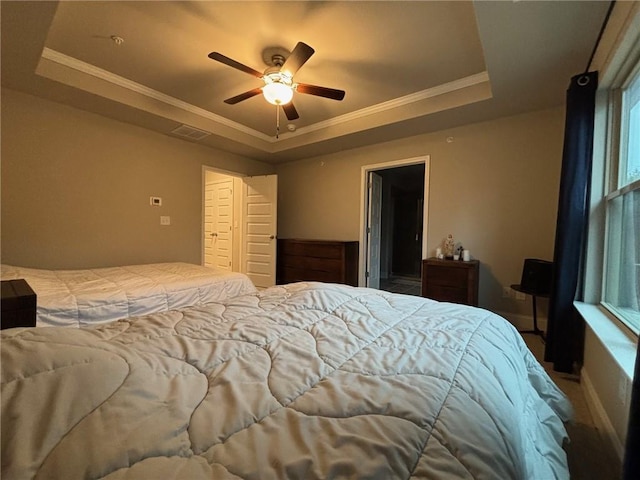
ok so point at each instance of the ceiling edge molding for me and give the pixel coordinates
(473, 93)
(275, 144)
(471, 80)
(86, 68)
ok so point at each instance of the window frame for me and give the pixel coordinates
(615, 148)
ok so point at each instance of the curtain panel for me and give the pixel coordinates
(565, 329)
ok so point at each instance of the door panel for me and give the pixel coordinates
(208, 226)
(218, 221)
(223, 193)
(374, 230)
(259, 207)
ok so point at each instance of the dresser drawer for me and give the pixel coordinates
(311, 263)
(314, 249)
(445, 293)
(442, 275)
(317, 260)
(450, 281)
(293, 274)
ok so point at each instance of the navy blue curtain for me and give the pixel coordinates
(564, 339)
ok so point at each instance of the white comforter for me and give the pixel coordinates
(100, 295)
(298, 382)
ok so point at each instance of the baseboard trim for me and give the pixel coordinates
(600, 417)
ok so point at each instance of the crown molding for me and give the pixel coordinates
(478, 78)
(122, 82)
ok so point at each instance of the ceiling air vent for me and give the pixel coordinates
(190, 132)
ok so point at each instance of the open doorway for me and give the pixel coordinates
(394, 227)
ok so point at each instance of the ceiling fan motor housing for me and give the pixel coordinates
(277, 60)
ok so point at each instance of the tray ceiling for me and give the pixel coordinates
(406, 67)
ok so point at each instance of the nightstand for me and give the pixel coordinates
(18, 304)
(451, 280)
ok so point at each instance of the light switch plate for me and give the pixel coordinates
(165, 220)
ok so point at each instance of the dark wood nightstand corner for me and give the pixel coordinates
(17, 304)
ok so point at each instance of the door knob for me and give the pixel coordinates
(271, 237)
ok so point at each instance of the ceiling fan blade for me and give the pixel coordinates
(243, 96)
(325, 92)
(232, 63)
(290, 111)
(301, 53)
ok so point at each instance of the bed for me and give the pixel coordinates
(302, 381)
(101, 295)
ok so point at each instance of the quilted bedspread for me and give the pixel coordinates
(87, 297)
(303, 381)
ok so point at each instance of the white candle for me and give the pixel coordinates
(466, 256)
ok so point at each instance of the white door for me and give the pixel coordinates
(223, 238)
(259, 209)
(218, 222)
(374, 215)
(207, 241)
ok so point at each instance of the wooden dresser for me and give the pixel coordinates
(317, 260)
(451, 280)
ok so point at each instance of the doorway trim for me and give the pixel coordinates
(364, 205)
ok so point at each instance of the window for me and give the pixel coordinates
(621, 292)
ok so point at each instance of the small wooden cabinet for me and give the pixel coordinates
(18, 304)
(317, 260)
(451, 280)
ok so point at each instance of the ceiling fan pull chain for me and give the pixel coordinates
(277, 122)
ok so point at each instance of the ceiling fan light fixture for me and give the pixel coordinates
(278, 85)
(278, 89)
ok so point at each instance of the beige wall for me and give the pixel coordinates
(76, 188)
(494, 187)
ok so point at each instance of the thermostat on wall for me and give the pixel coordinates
(157, 201)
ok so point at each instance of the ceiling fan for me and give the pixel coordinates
(278, 81)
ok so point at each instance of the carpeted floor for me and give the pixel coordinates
(588, 455)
